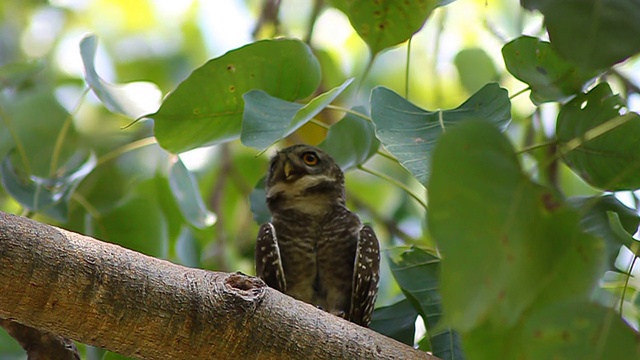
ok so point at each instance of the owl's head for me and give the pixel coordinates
(303, 177)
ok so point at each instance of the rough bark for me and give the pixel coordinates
(107, 296)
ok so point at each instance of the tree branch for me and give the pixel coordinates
(39, 344)
(107, 296)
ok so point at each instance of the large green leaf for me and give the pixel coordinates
(417, 272)
(594, 34)
(575, 329)
(267, 119)
(207, 107)
(598, 143)
(409, 133)
(578, 330)
(137, 223)
(35, 117)
(132, 99)
(551, 77)
(504, 239)
(397, 321)
(352, 141)
(385, 23)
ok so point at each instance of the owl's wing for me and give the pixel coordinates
(365, 277)
(268, 261)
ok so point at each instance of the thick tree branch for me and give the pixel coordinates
(107, 296)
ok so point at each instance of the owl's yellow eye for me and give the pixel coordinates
(310, 158)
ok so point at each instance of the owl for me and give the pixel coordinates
(315, 249)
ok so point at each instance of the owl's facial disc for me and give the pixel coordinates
(295, 173)
(303, 178)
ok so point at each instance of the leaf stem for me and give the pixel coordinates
(593, 133)
(349, 111)
(387, 156)
(394, 182)
(406, 70)
(367, 70)
(535, 147)
(57, 148)
(320, 124)
(626, 282)
(124, 149)
(86, 205)
(518, 93)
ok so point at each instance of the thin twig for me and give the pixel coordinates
(394, 182)
(268, 14)
(389, 224)
(315, 12)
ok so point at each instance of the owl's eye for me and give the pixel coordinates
(310, 158)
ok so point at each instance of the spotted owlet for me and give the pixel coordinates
(315, 249)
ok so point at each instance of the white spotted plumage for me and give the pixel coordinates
(315, 249)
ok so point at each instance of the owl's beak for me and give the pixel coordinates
(288, 169)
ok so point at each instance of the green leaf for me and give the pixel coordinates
(578, 330)
(621, 234)
(599, 143)
(133, 99)
(207, 107)
(136, 223)
(382, 24)
(551, 77)
(49, 195)
(36, 117)
(267, 119)
(15, 74)
(596, 220)
(417, 273)
(409, 133)
(475, 69)
(594, 34)
(397, 321)
(351, 141)
(187, 195)
(258, 203)
(504, 239)
(113, 356)
(575, 329)
(188, 251)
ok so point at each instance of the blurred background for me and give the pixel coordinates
(124, 200)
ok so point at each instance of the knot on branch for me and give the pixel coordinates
(249, 290)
